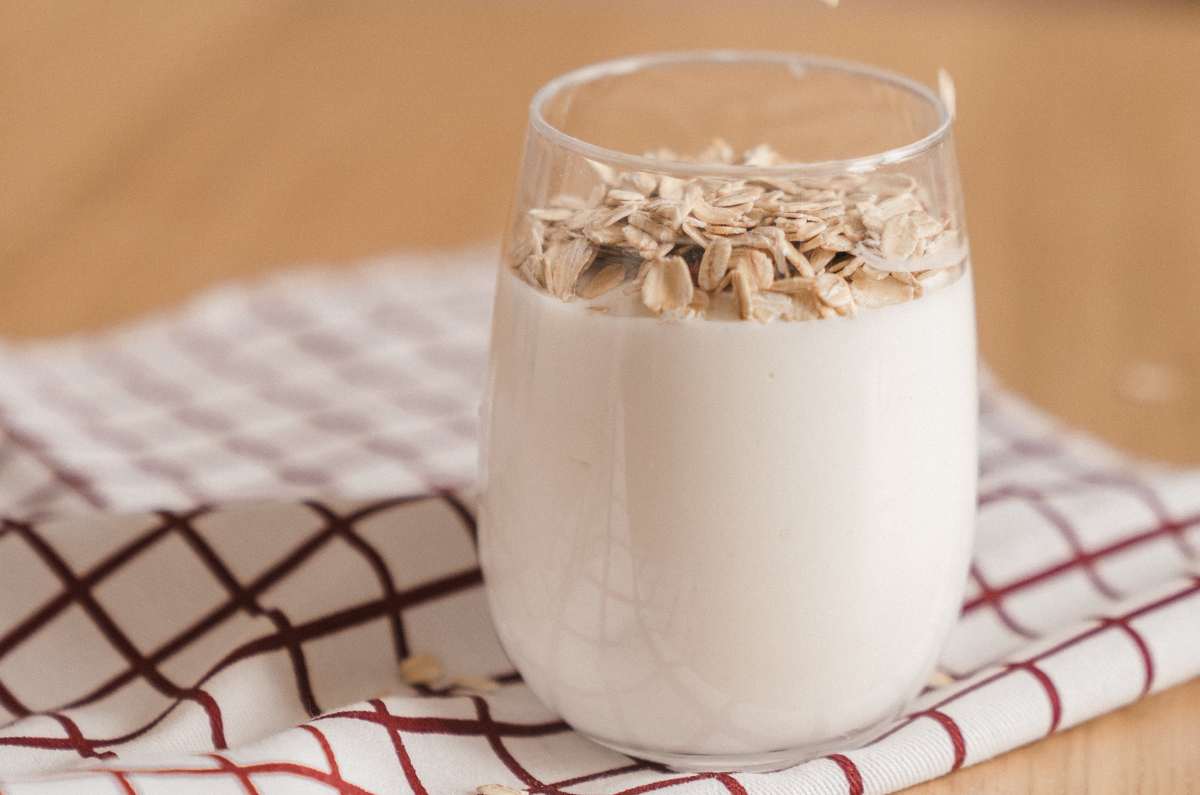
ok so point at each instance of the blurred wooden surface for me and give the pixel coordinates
(149, 149)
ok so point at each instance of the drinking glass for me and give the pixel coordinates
(712, 537)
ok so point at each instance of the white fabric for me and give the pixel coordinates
(194, 648)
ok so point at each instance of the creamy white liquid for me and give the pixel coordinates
(722, 537)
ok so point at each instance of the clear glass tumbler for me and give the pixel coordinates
(729, 445)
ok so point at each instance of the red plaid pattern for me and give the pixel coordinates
(236, 645)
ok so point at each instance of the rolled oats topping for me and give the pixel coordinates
(772, 248)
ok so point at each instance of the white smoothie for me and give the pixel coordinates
(717, 537)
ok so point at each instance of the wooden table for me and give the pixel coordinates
(148, 149)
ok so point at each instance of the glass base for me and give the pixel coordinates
(765, 762)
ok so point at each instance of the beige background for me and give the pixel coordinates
(148, 149)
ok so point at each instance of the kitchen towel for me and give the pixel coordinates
(225, 525)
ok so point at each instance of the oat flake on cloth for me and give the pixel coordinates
(291, 454)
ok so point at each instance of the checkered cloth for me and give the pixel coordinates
(218, 643)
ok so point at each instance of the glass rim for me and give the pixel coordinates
(634, 63)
